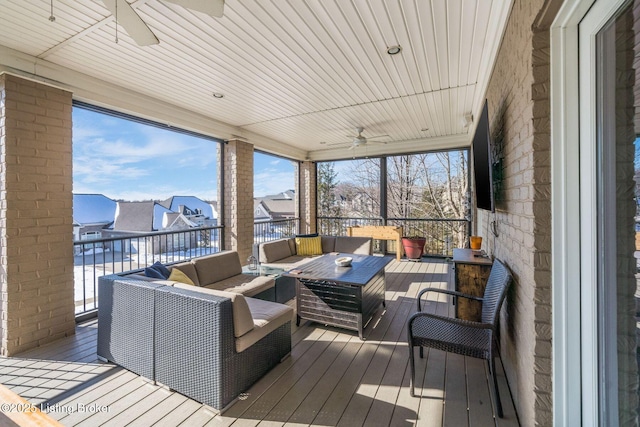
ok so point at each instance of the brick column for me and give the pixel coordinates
(238, 197)
(36, 216)
(520, 110)
(306, 191)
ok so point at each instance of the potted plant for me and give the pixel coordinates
(413, 246)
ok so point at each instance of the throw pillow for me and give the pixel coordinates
(161, 268)
(178, 276)
(309, 245)
(157, 271)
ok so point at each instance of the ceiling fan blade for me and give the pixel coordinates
(213, 8)
(377, 136)
(131, 22)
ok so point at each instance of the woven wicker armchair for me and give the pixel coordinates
(468, 338)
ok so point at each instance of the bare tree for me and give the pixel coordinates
(404, 182)
(447, 184)
(365, 186)
(430, 186)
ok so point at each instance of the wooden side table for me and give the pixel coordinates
(471, 274)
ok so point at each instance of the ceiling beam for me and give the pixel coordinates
(103, 94)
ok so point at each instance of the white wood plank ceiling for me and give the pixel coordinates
(298, 76)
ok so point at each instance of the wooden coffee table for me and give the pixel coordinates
(346, 297)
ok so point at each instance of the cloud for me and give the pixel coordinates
(128, 160)
(272, 181)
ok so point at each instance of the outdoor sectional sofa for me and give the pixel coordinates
(283, 253)
(206, 343)
(223, 271)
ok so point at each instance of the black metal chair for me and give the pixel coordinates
(468, 338)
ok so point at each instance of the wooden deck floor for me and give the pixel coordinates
(332, 377)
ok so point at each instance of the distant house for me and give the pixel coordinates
(195, 209)
(97, 216)
(92, 214)
(275, 207)
(146, 217)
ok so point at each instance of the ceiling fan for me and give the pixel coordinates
(359, 140)
(127, 17)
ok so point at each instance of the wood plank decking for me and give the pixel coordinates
(331, 379)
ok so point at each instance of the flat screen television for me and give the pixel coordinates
(482, 163)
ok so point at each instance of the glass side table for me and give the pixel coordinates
(285, 287)
(263, 270)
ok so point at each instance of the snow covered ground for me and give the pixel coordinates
(96, 262)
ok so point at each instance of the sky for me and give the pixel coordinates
(127, 160)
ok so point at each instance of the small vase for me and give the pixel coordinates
(475, 242)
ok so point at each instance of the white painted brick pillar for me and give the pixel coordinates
(238, 197)
(36, 215)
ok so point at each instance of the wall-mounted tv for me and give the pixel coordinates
(482, 163)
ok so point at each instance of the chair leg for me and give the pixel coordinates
(421, 353)
(492, 370)
(413, 371)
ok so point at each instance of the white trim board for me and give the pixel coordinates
(575, 364)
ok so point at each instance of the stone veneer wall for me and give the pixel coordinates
(36, 225)
(238, 197)
(519, 114)
(306, 191)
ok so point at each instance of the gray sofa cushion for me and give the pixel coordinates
(245, 284)
(267, 317)
(289, 263)
(354, 245)
(189, 269)
(216, 267)
(328, 244)
(274, 251)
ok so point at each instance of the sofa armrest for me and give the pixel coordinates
(195, 345)
(125, 323)
(242, 319)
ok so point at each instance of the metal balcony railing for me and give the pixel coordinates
(134, 251)
(264, 231)
(443, 235)
(338, 225)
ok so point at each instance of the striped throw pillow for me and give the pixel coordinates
(309, 245)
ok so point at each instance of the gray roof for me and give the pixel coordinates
(287, 195)
(139, 216)
(279, 207)
(192, 203)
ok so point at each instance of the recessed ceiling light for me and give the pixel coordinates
(394, 50)
(218, 95)
(424, 129)
(323, 142)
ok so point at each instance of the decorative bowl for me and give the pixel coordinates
(344, 261)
